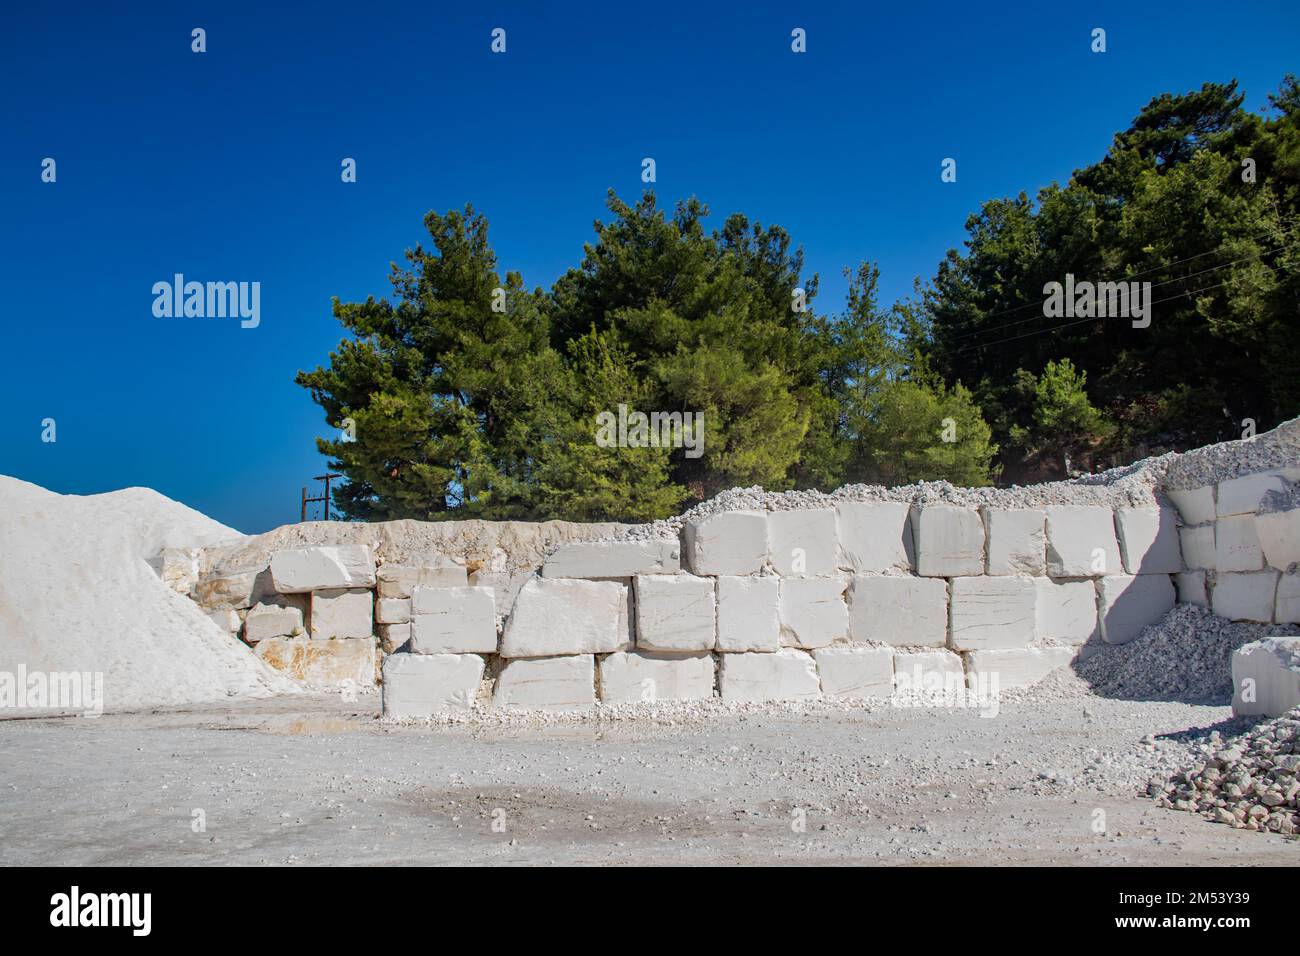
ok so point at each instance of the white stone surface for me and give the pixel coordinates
(567, 616)
(270, 620)
(547, 683)
(813, 611)
(1081, 542)
(1192, 589)
(393, 637)
(1129, 603)
(421, 685)
(453, 621)
(1148, 540)
(614, 559)
(393, 611)
(1245, 597)
(733, 542)
(875, 536)
(648, 675)
(1268, 671)
(928, 671)
(748, 614)
(342, 612)
(788, 674)
(226, 618)
(505, 586)
(323, 568)
(399, 580)
(1288, 599)
(1065, 610)
(178, 568)
(1236, 544)
(1196, 505)
(1242, 495)
(675, 612)
(803, 542)
(1198, 547)
(345, 664)
(949, 540)
(1016, 541)
(854, 670)
(1279, 537)
(1017, 667)
(992, 612)
(902, 611)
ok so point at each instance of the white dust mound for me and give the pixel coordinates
(77, 595)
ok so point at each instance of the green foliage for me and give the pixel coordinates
(907, 431)
(465, 410)
(1169, 204)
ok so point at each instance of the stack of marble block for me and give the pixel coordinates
(831, 601)
(1241, 545)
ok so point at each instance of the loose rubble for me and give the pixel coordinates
(1247, 779)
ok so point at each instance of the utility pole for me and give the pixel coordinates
(323, 498)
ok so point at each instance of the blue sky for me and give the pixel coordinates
(224, 166)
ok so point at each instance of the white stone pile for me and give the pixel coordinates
(1240, 542)
(845, 601)
(1250, 782)
(756, 596)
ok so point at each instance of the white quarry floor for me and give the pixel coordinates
(313, 780)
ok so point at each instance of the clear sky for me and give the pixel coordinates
(225, 166)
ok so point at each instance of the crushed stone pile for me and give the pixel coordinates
(78, 596)
(1140, 484)
(1186, 656)
(1249, 781)
(1279, 448)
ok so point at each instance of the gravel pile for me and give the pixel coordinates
(1248, 781)
(1134, 485)
(1185, 656)
(1279, 448)
(1140, 484)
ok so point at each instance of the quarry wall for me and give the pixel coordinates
(839, 598)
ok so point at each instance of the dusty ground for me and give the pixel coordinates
(318, 781)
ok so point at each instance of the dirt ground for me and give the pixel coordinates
(313, 780)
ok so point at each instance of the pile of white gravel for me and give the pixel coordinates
(78, 596)
(1249, 781)
(1186, 656)
(1140, 484)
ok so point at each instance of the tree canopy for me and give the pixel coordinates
(466, 394)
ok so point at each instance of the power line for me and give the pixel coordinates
(1167, 265)
(1034, 318)
(1058, 328)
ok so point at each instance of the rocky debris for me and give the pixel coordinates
(1277, 449)
(1186, 655)
(1248, 781)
